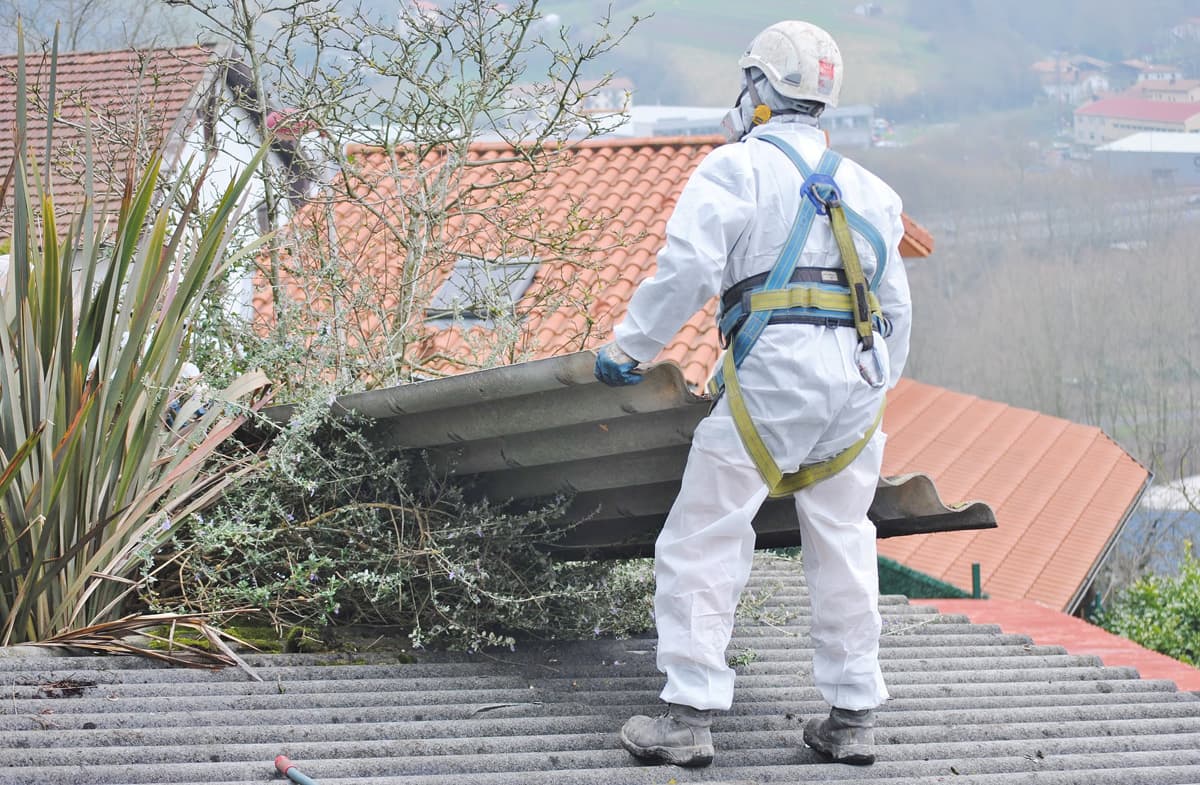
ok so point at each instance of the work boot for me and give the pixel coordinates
(844, 736)
(681, 735)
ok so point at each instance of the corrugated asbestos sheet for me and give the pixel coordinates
(970, 706)
(544, 427)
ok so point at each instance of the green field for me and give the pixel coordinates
(686, 50)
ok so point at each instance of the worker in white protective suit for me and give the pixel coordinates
(812, 383)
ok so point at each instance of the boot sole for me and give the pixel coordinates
(690, 757)
(852, 757)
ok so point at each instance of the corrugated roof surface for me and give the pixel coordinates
(629, 186)
(113, 92)
(1155, 142)
(970, 705)
(545, 427)
(1061, 492)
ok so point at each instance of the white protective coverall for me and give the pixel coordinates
(803, 389)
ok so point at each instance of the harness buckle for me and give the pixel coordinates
(724, 339)
(822, 191)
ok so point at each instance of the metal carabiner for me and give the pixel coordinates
(872, 374)
(822, 191)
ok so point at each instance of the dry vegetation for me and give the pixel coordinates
(1056, 288)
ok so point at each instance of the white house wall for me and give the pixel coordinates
(237, 141)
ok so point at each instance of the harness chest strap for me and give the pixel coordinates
(861, 304)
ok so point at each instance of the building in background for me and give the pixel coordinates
(1110, 119)
(193, 104)
(848, 126)
(1128, 73)
(1169, 159)
(1072, 79)
(1175, 91)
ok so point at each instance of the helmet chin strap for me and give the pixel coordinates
(746, 116)
(762, 112)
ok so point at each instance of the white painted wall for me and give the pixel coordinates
(237, 141)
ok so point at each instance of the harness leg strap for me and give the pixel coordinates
(778, 483)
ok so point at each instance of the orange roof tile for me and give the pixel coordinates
(114, 93)
(1060, 491)
(627, 186)
(1125, 108)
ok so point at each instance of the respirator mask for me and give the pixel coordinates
(749, 110)
(758, 102)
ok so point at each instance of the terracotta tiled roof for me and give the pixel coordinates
(628, 186)
(113, 92)
(1141, 109)
(1060, 491)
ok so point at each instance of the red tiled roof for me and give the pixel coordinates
(1141, 109)
(1060, 491)
(628, 185)
(114, 92)
(1048, 627)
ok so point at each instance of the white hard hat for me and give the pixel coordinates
(800, 60)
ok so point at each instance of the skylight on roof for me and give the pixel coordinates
(480, 290)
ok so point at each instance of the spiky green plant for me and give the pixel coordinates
(102, 447)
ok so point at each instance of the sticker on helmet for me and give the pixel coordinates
(825, 77)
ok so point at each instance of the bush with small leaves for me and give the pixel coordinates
(337, 530)
(1161, 612)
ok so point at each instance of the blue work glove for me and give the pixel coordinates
(614, 367)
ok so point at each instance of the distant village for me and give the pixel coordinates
(1132, 118)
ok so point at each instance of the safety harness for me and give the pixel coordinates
(833, 297)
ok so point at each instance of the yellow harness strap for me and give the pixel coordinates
(778, 483)
(862, 303)
(863, 299)
(806, 297)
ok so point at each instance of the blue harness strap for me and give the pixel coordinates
(858, 224)
(754, 324)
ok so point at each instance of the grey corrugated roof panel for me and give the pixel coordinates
(768, 647)
(445, 703)
(966, 698)
(1163, 775)
(604, 766)
(777, 660)
(191, 736)
(466, 754)
(547, 427)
